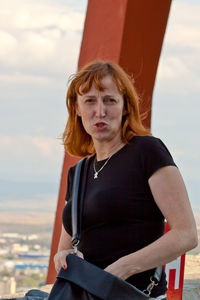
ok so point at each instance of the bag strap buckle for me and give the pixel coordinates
(150, 286)
(75, 243)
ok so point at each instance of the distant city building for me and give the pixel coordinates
(8, 265)
(32, 237)
(17, 248)
(4, 251)
(11, 235)
(7, 286)
(37, 247)
(30, 266)
(33, 255)
(2, 241)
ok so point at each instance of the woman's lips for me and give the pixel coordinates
(100, 125)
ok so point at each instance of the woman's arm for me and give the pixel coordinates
(65, 241)
(64, 248)
(171, 197)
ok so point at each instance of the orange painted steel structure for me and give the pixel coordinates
(130, 33)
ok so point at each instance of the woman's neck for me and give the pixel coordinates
(106, 149)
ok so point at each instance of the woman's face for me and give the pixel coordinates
(101, 111)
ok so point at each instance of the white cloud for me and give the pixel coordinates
(40, 16)
(179, 67)
(32, 15)
(40, 38)
(23, 79)
(185, 35)
(38, 46)
(46, 146)
(46, 202)
(172, 68)
(7, 41)
(31, 157)
(178, 76)
(71, 21)
(184, 23)
(24, 146)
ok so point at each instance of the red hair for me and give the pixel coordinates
(76, 140)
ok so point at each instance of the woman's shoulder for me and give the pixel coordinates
(72, 169)
(71, 172)
(149, 144)
(153, 154)
(70, 179)
(146, 140)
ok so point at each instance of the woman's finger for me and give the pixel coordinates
(63, 254)
(80, 254)
(60, 258)
(57, 262)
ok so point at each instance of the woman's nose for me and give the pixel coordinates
(100, 109)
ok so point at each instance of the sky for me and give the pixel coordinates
(40, 43)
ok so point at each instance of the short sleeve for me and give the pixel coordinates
(155, 155)
(69, 184)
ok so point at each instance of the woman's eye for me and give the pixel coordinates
(110, 100)
(89, 100)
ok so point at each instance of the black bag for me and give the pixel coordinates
(83, 280)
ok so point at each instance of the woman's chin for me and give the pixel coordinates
(100, 137)
(103, 137)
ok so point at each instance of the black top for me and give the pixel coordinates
(120, 215)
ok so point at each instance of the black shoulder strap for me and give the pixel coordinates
(78, 192)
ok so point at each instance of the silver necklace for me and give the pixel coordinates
(96, 173)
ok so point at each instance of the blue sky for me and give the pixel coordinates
(40, 42)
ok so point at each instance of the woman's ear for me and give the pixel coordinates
(78, 110)
(124, 113)
(125, 110)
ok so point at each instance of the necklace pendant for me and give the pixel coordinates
(95, 175)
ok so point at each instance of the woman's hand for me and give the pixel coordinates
(60, 258)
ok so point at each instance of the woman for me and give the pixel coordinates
(132, 185)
